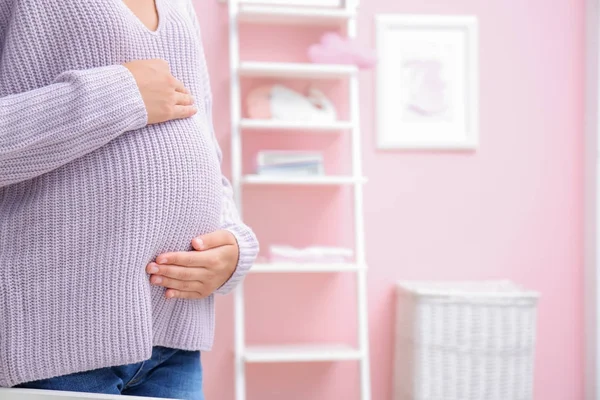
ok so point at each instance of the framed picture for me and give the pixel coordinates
(427, 82)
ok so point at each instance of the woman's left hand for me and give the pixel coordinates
(198, 273)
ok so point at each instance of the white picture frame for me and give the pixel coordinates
(427, 82)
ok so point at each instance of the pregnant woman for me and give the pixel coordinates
(116, 225)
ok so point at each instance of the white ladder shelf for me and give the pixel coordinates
(345, 17)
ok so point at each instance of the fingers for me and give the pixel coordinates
(184, 99)
(189, 286)
(184, 111)
(174, 293)
(179, 272)
(165, 97)
(179, 86)
(214, 239)
(182, 258)
(188, 259)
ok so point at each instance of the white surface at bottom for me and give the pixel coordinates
(35, 394)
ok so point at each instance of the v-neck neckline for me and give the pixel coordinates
(160, 11)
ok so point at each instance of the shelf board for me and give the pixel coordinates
(295, 70)
(293, 180)
(275, 125)
(300, 353)
(294, 15)
(282, 267)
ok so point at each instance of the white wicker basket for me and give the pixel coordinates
(464, 341)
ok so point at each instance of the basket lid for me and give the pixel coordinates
(469, 288)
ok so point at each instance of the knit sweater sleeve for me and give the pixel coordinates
(230, 217)
(231, 221)
(78, 112)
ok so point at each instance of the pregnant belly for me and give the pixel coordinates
(166, 179)
(96, 222)
(146, 192)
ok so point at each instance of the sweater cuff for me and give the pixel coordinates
(134, 107)
(248, 251)
(113, 90)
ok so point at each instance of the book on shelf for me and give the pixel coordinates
(292, 170)
(289, 163)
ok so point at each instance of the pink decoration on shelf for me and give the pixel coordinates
(336, 49)
(258, 102)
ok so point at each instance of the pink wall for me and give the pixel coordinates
(513, 209)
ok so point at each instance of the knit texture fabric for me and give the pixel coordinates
(90, 194)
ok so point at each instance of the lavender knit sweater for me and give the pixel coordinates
(90, 194)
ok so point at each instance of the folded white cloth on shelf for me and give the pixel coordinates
(280, 253)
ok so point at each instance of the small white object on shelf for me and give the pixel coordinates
(295, 70)
(301, 353)
(464, 340)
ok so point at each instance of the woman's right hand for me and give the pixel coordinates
(164, 95)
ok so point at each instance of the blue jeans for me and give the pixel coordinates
(169, 373)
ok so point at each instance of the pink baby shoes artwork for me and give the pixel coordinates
(336, 49)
